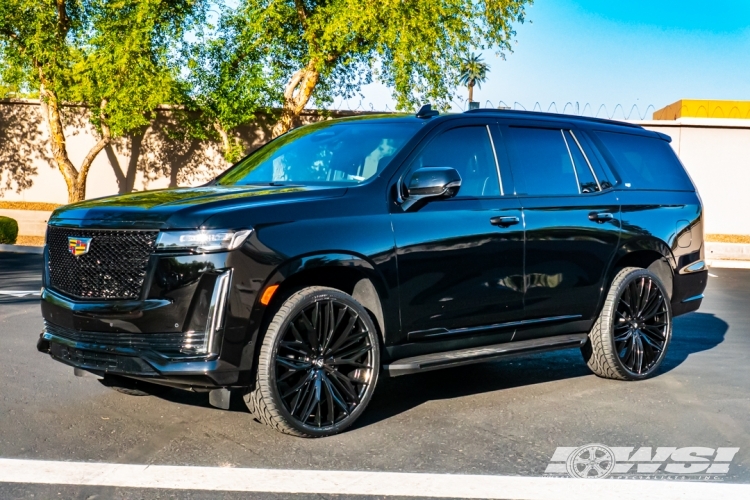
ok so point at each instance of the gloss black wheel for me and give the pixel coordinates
(631, 336)
(641, 325)
(318, 364)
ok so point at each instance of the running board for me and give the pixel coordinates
(472, 355)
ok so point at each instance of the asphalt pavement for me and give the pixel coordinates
(500, 418)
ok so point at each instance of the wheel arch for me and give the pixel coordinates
(647, 253)
(350, 273)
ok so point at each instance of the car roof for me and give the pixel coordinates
(512, 113)
(530, 115)
(495, 113)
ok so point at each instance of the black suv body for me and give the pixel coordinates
(385, 245)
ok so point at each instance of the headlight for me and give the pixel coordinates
(214, 240)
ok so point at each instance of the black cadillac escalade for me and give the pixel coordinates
(375, 246)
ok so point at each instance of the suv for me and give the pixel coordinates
(383, 245)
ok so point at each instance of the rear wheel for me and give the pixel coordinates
(318, 364)
(630, 338)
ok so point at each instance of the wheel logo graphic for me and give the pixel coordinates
(593, 461)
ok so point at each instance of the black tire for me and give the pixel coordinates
(318, 359)
(133, 387)
(630, 338)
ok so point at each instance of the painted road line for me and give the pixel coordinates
(357, 482)
(20, 293)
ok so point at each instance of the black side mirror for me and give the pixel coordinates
(433, 182)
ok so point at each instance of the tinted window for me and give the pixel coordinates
(468, 150)
(341, 152)
(646, 162)
(541, 162)
(586, 178)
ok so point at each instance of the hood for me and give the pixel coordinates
(182, 208)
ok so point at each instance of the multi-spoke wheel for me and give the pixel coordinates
(318, 364)
(631, 336)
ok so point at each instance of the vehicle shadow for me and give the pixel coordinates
(692, 333)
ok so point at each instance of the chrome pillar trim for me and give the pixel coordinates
(216, 310)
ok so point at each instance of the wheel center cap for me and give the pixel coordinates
(318, 362)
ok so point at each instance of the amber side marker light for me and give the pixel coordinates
(266, 298)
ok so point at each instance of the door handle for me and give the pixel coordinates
(505, 220)
(601, 216)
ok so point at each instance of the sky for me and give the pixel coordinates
(610, 52)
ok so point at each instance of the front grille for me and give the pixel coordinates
(113, 268)
(169, 344)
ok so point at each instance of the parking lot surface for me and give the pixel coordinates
(499, 418)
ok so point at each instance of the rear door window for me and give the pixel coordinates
(547, 161)
(645, 162)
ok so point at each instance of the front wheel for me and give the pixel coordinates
(630, 338)
(318, 364)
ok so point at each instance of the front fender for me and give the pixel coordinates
(286, 272)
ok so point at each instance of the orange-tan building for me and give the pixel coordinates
(702, 108)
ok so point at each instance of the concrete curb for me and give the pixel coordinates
(728, 264)
(727, 251)
(21, 249)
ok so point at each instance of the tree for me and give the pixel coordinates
(114, 57)
(316, 50)
(473, 72)
(226, 85)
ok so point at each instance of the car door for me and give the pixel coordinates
(460, 260)
(571, 217)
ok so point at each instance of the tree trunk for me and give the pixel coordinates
(471, 92)
(296, 96)
(51, 114)
(75, 180)
(226, 144)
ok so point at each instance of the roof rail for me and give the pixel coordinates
(426, 111)
(551, 115)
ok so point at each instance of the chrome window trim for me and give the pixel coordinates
(585, 157)
(572, 163)
(497, 163)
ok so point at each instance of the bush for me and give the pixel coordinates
(8, 230)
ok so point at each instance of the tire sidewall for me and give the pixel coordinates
(629, 278)
(312, 296)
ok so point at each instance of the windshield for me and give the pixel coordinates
(343, 152)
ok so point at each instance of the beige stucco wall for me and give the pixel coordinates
(150, 159)
(716, 153)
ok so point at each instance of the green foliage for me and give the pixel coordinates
(227, 85)
(8, 231)
(415, 47)
(120, 52)
(473, 71)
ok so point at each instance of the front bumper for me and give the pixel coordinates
(188, 328)
(196, 374)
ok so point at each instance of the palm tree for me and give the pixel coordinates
(473, 72)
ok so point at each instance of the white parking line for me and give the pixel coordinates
(356, 482)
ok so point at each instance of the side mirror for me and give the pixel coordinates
(432, 182)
